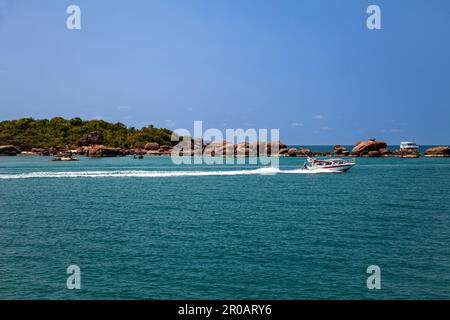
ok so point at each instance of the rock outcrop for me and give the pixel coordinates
(225, 148)
(374, 154)
(292, 152)
(403, 154)
(340, 150)
(90, 139)
(274, 147)
(384, 151)
(153, 153)
(102, 151)
(154, 149)
(9, 150)
(283, 151)
(151, 146)
(242, 149)
(263, 148)
(218, 149)
(137, 152)
(165, 148)
(438, 152)
(367, 148)
(304, 152)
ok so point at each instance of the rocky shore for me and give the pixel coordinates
(438, 152)
(91, 145)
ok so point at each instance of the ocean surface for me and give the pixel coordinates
(149, 229)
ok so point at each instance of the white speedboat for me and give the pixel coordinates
(328, 165)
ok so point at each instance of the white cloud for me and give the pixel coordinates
(297, 124)
(124, 107)
(318, 117)
(395, 130)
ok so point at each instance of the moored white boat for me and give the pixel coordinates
(328, 165)
(409, 146)
(64, 158)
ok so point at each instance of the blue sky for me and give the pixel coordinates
(310, 68)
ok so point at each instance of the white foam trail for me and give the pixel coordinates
(304, 171)
(154, 174)
(137, 174)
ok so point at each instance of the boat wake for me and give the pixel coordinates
(152, 174)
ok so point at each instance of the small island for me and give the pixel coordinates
(97, 138)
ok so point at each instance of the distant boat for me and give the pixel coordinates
(65, 158)
(408, 146)
(328, 165)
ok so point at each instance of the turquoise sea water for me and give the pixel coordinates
(137, 232)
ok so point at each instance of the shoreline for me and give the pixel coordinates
(298, 154)
(65, 138)
(314, 155)
(371, 148)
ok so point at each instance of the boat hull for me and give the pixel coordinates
(337, 168)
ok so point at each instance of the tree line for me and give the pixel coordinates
(28, 133)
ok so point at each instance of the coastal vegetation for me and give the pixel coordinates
(28, 133)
